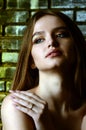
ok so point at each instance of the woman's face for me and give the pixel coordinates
(52, 43)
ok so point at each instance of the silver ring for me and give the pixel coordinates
(30, 106)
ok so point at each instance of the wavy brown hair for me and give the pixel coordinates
(26, 78)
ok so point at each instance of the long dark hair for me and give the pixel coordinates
(26, 78)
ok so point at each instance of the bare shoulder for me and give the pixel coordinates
(13, 119)
(6, 103)
(83, 126)
(6, 106)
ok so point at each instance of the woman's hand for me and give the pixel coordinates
(29, 103)
(32, 105)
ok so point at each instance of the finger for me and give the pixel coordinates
(25, 110)
(29, 106)
(36, 97)
(22, 102)
(38, 107)
(29, 98)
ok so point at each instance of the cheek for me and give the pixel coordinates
(69, 50)
(33, 53)
(36, 54)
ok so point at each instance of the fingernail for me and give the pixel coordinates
(12, 96)
(10, 90)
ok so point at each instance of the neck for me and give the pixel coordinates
(51, 82)
(54, 86)
(54, 83)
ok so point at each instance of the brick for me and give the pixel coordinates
(3, 16)
(15, 30)
(34, 4)
(79, 1)
(8, 85)
(68, 13)
(81, 16)
(83, 29)
(0, 126)
(42, 4)
(0, 29)
(11, 4)
(10, 57)
(13, 16)
(7, 72)
(10, 44)
(1, 3)
(2, 86)
(18, 4)
(2, 96)
(68, 4)
(2, 72)
(18, 16)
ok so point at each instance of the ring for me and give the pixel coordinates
(30, 106)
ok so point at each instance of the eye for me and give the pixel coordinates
(38, 41)
(63, 35)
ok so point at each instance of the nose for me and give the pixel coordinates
(52, 43)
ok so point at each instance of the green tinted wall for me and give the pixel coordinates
(13, 16)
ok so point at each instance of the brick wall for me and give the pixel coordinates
(13, 15)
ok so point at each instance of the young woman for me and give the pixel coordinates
(49, 89)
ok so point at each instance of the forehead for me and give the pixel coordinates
(48, 22)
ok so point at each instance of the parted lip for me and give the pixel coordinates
(55, 52)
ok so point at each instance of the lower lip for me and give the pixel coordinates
(55, 54)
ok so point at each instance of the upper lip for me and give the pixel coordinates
(59, 52)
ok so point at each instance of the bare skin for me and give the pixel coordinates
(44, 117)
(44, 107)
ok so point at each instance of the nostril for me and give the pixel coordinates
(49, 45)
(54, 44)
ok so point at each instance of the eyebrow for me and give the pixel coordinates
(55, 29)
(38, 33)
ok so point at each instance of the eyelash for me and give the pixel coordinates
(63, 35)
(38, 40)
(59, 35)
